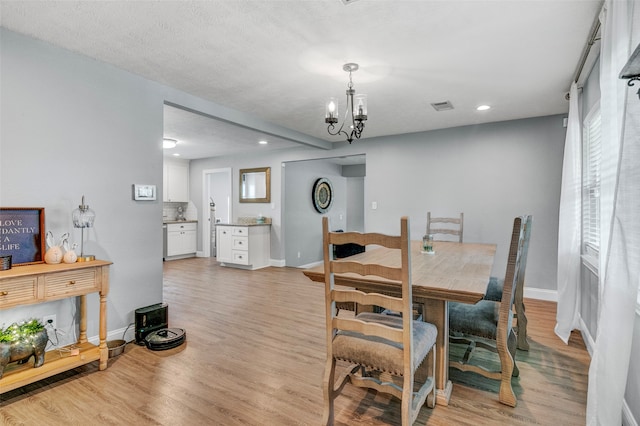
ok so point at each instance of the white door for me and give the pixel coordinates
(216, 190)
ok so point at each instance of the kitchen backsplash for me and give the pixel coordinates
(170, 211)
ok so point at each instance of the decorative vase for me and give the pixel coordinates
(22, 350)
(70, 257)
(53, 255)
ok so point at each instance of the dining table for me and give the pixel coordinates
(453, 272)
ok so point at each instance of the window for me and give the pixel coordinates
(591, 157)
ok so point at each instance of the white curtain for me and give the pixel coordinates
(620, 230)
(569, 227)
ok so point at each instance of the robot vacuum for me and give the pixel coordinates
(166, 338)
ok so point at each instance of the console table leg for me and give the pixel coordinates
(83, 319)
(104, 350)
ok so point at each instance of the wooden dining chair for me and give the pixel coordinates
(494, 292)
(386, 352)
(445, 226)
(487, 324)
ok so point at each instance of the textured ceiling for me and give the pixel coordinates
(280, 60)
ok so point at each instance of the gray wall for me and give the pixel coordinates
(71, 127)
(492, 172)
(355, 204)
(303, 224)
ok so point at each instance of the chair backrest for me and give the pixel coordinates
(445, 226)
(400, 273)
(519, 291)
(517, 254)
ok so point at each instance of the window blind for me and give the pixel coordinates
(592, 158)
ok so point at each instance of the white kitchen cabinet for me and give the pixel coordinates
(175, 181)
(181, 239)
(243, 246)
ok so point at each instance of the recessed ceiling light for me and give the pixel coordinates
(263, 142)
(483, 107)
(175, 154)
(168, 143)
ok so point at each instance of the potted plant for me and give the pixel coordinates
(21, 340)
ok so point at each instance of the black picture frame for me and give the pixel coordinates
(322, 195)
(22, 234)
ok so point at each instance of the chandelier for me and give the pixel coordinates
(356, 105)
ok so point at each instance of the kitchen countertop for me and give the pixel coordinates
(179, 221)
(242, 224)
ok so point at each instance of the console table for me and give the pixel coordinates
(39, 283)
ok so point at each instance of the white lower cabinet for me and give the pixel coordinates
(246, 247)
(181, 239)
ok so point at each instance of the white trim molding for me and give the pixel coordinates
(541, 294)
(586, 337)
(627, 415)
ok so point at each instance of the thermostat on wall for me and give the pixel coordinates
(144, 192)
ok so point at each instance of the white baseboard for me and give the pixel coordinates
(541, 294)
(627, 415)
(311, 265)
(278, 263)
(586, 337)
(116, 335)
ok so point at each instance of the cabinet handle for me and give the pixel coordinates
(4, 293)
(72, 282)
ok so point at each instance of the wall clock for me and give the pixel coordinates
(322, 195)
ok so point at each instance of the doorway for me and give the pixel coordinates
(216, 205)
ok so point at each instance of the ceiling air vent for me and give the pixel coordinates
(442, 106)
(346, 2)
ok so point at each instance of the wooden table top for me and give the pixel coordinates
(457, 272)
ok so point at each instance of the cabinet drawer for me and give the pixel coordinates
(69, 283)
(172, 227)
(15, 291)
(240, 257)
(241, 243)
(240, 231)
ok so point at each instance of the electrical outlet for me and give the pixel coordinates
(49, 321)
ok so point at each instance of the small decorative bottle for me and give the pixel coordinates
(427, 243)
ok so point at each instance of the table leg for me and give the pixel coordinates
(437, 312)
(104, 350)
(83, 319)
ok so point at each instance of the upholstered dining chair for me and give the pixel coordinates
(487, 324)
(445, 226)
(386, 353)
(494, 292)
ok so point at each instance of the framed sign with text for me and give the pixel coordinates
(22, 234)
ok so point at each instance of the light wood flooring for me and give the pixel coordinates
(255, 356)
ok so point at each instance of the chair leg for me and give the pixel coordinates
(328, 391)
(512, 345)
(507, 396)
(406, 403)
(521, 326)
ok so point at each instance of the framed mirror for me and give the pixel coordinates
(255, 185)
